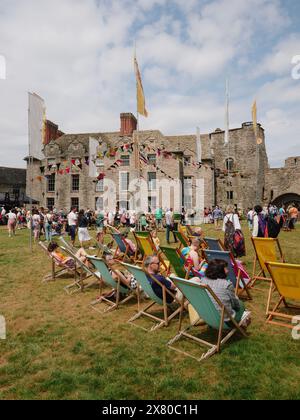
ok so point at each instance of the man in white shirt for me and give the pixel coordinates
(250, 216)
(72, 222)
(170, 225)
(11, 223)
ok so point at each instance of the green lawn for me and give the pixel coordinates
(57, 347)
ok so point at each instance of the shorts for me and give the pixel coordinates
(72, 232)
(133, 283)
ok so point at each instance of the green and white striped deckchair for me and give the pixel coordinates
(107, 279)
(200, 297)
(141, 277)
(85, 273)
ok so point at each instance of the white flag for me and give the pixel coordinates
(93, 145)
(35, 125)
(227, 114)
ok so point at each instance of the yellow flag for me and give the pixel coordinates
(254, 118)
(141, 107)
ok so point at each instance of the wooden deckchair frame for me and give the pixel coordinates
(183, 332)
(274, 288)
(238, 290)
(144, 311)
(119, 287)
(261, 275)
(80, 284)
(63, 269)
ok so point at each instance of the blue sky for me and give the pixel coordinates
(78, 54)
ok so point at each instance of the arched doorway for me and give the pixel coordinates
(287, 199)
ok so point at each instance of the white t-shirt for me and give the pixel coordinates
(169, 218)
(11, 216)
(250, 215)
(72, 219)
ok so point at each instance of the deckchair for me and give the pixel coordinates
(184, 241)
(286, 279)
(80, 284)
(117, 285)
(141, 277)
(122, 247)
(58, 268)
(176, 261)
(146, 234)
(200, 297)
(148, 248)
(214, 244)
(68, 245)
(266, 250)
(240, 282)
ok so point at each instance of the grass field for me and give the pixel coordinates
(57, 347)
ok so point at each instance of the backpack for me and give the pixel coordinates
(262, 226)
(274, 227)
(239, 248)
(229, 235)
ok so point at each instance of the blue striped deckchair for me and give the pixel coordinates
(214, 244)
(200, 297)
(117, 285)
(240, 285)
(123, 247)
(141, 277)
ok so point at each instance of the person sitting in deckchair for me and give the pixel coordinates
(64, 260)
(156, 239)
(216, 279)
(126, 279)
(152, 266)
(132, 246)
(191, 255)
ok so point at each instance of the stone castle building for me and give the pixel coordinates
(12, 187)
(238, 173)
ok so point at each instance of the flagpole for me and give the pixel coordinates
(227, 139)
(30, 161)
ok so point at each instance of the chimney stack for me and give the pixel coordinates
(128, 124)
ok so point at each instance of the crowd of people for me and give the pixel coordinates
(262, 222)
(49, 223)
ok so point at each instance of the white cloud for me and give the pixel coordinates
(279, 61)
(78, 57)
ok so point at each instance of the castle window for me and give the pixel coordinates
(152, 159)
(75, 202)
(125, 160)
(50, 203)
(272, 195)
(187, 192)
(124, 181)
(51, 183)
(151, 181)
(100, 186)
(99, 205)
(75, 183)
(229, 164)
(229, 195)
(186, 160)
